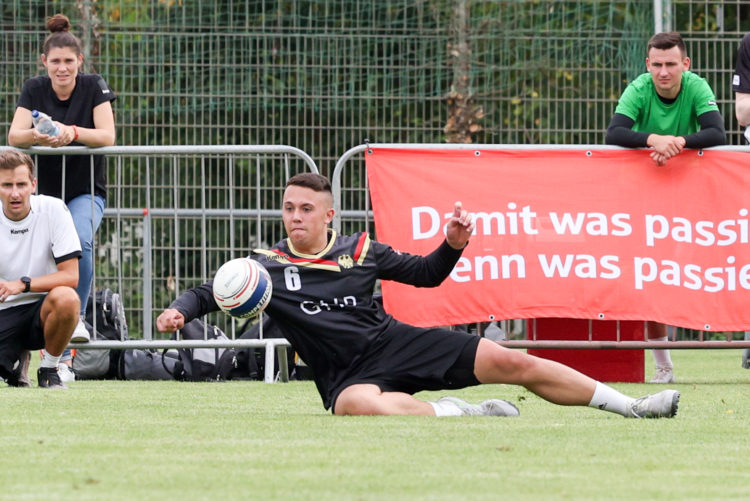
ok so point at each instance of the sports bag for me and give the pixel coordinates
(203, 364)
(110, 316)
(111, 325)
(147, 365)
(251, 362)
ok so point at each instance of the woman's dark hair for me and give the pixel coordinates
(60, 36)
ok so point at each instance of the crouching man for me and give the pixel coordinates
(39, 252)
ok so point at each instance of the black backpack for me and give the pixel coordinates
(203, 364)
(111, 325)
(110, 316)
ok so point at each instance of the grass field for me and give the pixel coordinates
(111, 440)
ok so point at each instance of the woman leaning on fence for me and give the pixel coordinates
(81, 106)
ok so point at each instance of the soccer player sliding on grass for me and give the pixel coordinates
(364, 361)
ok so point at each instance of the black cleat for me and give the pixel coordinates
(20, 375)
(49, 378)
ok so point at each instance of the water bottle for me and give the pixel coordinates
(44, 123)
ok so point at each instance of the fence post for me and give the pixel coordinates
(147, 276)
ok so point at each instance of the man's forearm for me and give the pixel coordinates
(195, 302)
(620, 132)
(712, 132)
(742, 108)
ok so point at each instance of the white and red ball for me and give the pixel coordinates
(242, 287)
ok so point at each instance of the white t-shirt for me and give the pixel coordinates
(33, 246)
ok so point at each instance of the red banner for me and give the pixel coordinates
(601, 234)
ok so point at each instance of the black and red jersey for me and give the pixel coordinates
(324, 303)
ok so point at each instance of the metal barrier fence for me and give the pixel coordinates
(324, 74)
(174, 215)
(355, 207)
(177, 213)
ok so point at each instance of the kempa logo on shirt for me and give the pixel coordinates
(277, 257)
(19, 232)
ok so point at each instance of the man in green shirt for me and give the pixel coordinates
(667, 109)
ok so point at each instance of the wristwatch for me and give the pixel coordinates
(27, 282)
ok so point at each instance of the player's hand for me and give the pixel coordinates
(460, 227)
(8, 289)
(170, 320)
(43, 139)
(658, 159)
(67, 133)
(63, 138)
(666, 146)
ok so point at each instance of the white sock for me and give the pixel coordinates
(662, 357)
(49, 361)
(446, 409)
(608, 399)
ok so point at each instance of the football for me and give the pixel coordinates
(242, 287)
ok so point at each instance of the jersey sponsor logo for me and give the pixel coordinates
(19, 232)
(346, 261)
(284, 258)
(277, 257)
(712, 103)
(315, 307)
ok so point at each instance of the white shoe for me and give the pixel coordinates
(491, 407)
(663, 375)
(660, 405)
(80, 334)
(66, 373)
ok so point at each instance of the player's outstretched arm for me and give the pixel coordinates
(460, 227)
(191, 304)
(170, 320)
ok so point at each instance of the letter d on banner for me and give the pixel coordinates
(416, 219)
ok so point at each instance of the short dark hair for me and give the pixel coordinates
(665, 41)
(10, 159)
(315, 182)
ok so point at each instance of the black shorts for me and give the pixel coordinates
(411, 359)
(20, 329)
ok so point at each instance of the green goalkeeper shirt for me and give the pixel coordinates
(642, 104)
